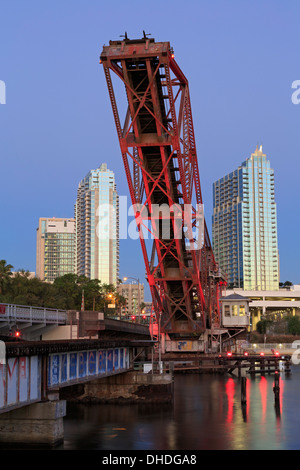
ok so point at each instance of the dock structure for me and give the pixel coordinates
(234, 364)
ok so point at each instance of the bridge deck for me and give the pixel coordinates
(32, 369)
(31, 348)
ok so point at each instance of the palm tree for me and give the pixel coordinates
(5, 274)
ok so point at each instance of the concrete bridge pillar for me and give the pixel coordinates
(130, 387)
(36, 424)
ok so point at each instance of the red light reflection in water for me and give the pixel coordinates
(230, 386)
(265, 395)
(281, 390)
(263, 387)
(281, 384)
(248, 386)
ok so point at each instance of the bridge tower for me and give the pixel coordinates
(157, 142)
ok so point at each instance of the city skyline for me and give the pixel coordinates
(57, 121)
(232, 183)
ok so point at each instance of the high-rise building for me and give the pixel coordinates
(97, 226)
(244, 225)
(55, 248)
(134, 295)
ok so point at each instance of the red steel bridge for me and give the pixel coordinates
(157, 142)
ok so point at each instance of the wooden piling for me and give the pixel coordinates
(252, 368)
(287, 366)
(262, 366)
(276, 388)
(243, 391)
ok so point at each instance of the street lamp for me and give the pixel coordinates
(109, 298)
(139, 296)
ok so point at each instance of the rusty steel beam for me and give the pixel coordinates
(158, 137)
(44, 348)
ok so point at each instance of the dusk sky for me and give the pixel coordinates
(240, 57)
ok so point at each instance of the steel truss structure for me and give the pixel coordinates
(158, 147)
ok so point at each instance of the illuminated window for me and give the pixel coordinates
(242, 310)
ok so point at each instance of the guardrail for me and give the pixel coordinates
(24, 313)
(269, 346)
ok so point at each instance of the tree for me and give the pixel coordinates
(5, 275)
(67, 292)
(120, 302)
(285, 284)
(293, 323)
(19, 289)
(93, 294)
(64, 293)
(262, 326)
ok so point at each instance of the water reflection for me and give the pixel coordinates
(207, 414)
(263, 385)
(230, 391)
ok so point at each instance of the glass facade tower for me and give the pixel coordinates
(97, 226)
(244, 225)
(55, 254)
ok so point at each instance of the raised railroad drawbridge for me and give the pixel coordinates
(159, 153)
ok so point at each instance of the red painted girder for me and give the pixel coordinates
(171, 138)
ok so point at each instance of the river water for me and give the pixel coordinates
(206, 415)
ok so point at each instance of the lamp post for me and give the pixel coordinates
(139, 295)
(159, 344)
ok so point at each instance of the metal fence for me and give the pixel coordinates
(23, 313)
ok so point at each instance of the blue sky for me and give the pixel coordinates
(240, 58)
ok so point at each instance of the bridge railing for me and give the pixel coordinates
(269, 347)
(24, 313)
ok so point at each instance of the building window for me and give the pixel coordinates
(234, 310)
